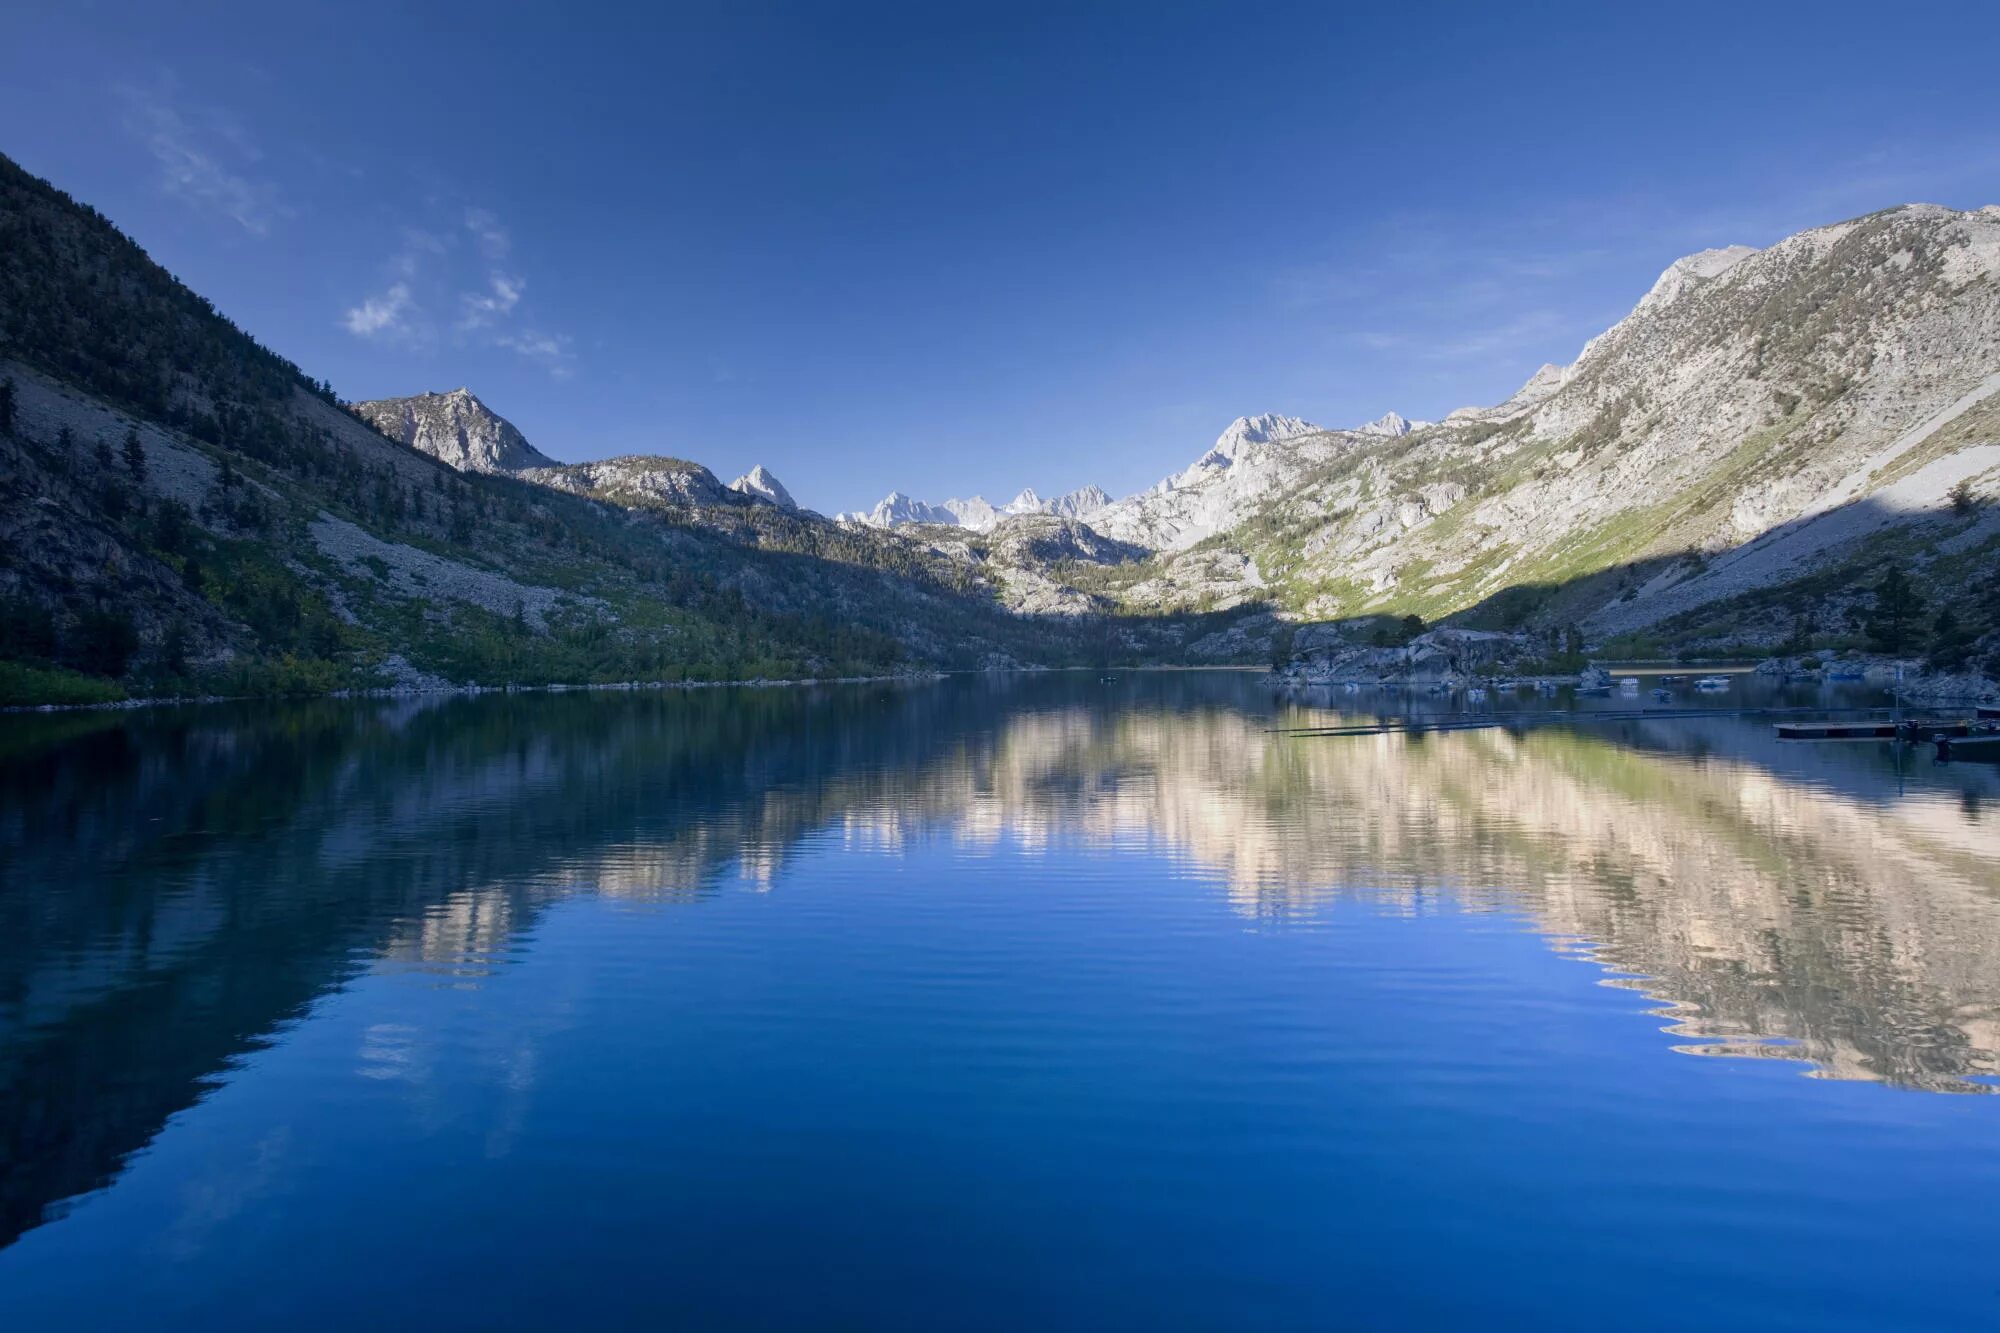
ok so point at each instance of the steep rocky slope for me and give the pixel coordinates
(180, 510)
(1762, 420)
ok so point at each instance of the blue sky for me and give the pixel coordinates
(949, 248)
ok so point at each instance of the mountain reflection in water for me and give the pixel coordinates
(180, 886)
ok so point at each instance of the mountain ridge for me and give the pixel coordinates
(1744, 452)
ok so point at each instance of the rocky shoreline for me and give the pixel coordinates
(427, 690)
(1458, 658)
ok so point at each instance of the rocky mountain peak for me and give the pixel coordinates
(454, 427)
(760, 484)
(1691, 271)
(1081, 504)
(1390, 424)
(979, 514)
(1264, 428)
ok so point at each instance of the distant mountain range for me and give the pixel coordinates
(899, 510)
(1732, 464)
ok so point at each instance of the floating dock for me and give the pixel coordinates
(1979, 745)
(1862, 729)
(1859, 730)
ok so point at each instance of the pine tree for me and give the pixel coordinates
(1951, 642)
(7, 406)
(102, 453)
(1892, 623)
(135, 454)
(174, 649)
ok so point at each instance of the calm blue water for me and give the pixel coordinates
(990, 1004)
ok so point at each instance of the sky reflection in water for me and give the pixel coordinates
(989, 1002)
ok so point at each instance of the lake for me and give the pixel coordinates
(990, 1003)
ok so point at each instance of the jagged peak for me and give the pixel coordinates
(1389, 423)
(760, 483)
(1264, 428)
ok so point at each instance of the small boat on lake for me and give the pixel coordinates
(1661, 693)
(1476, 695)
(1712, 683)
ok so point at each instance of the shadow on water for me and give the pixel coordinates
(180, 886)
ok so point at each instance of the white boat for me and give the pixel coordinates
(1476, 695)
(1712, 683)
(1629, 685)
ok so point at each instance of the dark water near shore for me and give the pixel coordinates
(1002, 1003)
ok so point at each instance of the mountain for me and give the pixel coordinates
(1391, 424)
(1752, 445)
(1736, 463)
(462, 432)
(182, 510)
(1082, 504)
(979, 514)
(760, 484)
(1249, 464)
(454, 428)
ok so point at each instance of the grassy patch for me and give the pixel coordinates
(23, 686)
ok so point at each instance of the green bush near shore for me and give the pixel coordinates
(25, 686)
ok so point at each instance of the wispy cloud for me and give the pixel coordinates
(460, 266)
(205, 159)
(386, 314)
(1464, 344)
(487, 231)
(483, 309)
(549, 351)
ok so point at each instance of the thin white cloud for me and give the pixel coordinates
(203, 160)
(487, 231)
(1462, 344)
(460, 267)
(417, 245)
(549, 351)
(503, 293)
(386, 314)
